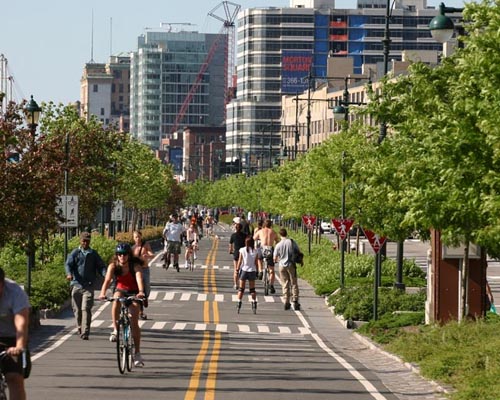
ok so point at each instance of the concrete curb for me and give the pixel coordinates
(373, 346)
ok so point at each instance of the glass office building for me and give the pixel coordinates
(164, 69)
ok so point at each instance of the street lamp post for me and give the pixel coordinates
(32, 113)
(341, 112)
(441, 26)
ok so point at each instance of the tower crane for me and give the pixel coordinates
(227, 31)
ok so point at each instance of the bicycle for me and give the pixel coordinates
(124, 340)
(265, 273)
(3, 381)
(191, 249)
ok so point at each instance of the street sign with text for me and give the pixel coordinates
(117, 211)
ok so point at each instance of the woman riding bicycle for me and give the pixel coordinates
(191, 243)
(126, 271)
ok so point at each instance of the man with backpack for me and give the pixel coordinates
(285, 254)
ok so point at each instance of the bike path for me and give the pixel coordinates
(175, 291)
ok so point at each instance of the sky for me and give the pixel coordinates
(47, 43)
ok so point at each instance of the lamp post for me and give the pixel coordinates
(441, 26)
(32, 113)
(341, 112)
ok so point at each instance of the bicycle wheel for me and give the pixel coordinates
(3, 388)
(121, 352)
(129, 349)
(266, 280)
(191, 260)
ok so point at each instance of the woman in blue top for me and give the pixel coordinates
(247, 271)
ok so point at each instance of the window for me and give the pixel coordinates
(95, 88)
(102, 110)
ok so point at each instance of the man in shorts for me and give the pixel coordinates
(267, 238)
(14, 325)
(172, 234)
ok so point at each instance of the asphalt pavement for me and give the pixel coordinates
(401, 379)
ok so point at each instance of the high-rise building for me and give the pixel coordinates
(165, 69)
(278, 48)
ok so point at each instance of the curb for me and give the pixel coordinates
(348, 324)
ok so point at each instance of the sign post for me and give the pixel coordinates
(377, 242)
(342, 226)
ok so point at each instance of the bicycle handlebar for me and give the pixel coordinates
(4, 354)
(123, 299)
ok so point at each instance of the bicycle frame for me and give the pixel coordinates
(124, 340)
(3, 382)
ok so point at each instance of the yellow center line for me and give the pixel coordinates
(194, 383)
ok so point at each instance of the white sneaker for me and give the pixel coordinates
(138, 360)
(186, 266)
(194, 256)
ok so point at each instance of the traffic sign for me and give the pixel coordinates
(309, 220)
(342, 226)
(117, 211)
(375, 240)
(67, 207)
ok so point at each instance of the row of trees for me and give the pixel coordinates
(102, 165)
(439, 166)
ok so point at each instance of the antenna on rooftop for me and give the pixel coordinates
(92, 40)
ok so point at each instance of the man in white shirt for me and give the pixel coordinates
(172, 234)
(283, 255)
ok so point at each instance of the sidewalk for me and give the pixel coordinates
(400, 378)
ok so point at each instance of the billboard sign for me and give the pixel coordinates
(295, 67)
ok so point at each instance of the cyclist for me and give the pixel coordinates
(14, 317)
(143, 250)
(209, 222)
(172, 233)
(126, 270)
(246, 269)
(267, 238)
(191, 243)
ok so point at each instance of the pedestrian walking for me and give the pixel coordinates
(83, 267)
(284, 256)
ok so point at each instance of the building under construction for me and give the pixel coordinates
(165, 69)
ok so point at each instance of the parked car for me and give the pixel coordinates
(325, 227)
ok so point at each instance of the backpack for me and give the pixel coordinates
(297, 255)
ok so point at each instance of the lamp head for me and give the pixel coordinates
(32, 112)
(339, 113)
(441, 28)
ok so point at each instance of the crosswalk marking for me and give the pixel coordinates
(169, 296)
(219, 298)
(199, 326)
(179, 326)
(158, 325)
(153, 295)
(185, 296)
(202, 297)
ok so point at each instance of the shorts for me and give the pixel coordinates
(14, 365)
(174, 247)
(248, 275)
(266, 252)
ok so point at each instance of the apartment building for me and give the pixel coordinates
(285, 51)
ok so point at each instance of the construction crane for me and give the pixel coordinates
(227, 31)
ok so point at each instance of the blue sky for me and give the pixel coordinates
(48, 42)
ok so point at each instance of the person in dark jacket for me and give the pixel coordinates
(83, 267)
